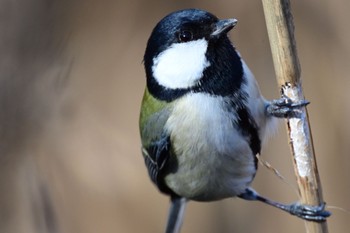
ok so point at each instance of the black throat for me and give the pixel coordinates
(223, 77)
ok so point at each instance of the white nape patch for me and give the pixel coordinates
(181, 65)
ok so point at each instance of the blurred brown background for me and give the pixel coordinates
(71, 82)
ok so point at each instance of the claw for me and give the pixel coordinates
(311, 213)
(285, 107)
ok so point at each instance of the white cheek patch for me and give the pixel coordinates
(181, 65)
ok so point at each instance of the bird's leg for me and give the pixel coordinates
(306, 212)
(285, 107)
(176, 213)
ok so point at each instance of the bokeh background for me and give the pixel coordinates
(71, 82)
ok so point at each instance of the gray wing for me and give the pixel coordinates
(156, 149)
(156, 155)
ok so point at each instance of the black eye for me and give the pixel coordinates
(185, 36)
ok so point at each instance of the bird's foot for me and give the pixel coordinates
(306, 212)
(285, 107)
(310, 213)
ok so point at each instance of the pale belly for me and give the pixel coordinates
(209, 176)
(214, 160)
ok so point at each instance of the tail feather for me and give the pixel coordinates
(176, 213)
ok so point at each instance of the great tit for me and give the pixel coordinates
(203, 119)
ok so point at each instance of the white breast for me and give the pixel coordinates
(181, 65)
(214, 161)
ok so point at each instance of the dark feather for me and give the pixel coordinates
(156, 157)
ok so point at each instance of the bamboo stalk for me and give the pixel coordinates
(281, 35)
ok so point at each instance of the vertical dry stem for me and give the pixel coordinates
(281, 35)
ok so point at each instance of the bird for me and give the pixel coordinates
(203, 119)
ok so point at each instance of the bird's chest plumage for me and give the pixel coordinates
(214, 160)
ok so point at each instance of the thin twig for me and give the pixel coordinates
(281, 35)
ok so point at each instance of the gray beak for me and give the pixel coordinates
(223, 26)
